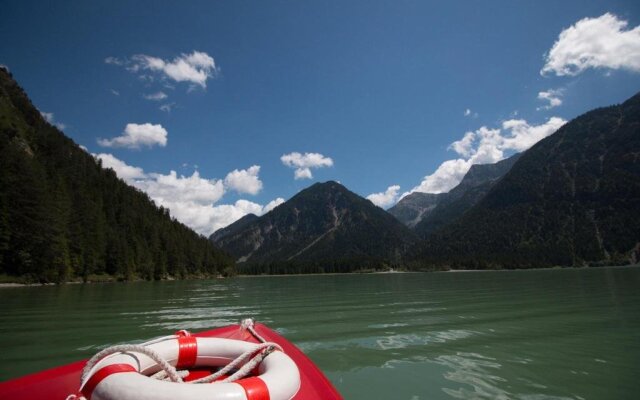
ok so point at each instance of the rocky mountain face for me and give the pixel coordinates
(324, 228)
(233, 228)
(427, 212)
(414, 207)
(572, 199)
(473, 187)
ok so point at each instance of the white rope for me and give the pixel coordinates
(259, 352)
(244, 371)
(128, 348)
(248, 325)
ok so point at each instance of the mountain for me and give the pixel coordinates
(63, 216)
(414, 207)
(324, 228)
(233, 228)
(473, 187)
(426, 212)
(572, 199)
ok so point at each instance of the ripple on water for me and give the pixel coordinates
(384, 326)
(192, 318)
(480, 376)
(396, 341)
(408, 340)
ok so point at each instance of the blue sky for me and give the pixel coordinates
(380, 94)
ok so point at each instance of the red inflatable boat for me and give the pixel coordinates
(244, 362)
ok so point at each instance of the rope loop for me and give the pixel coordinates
(243, 364)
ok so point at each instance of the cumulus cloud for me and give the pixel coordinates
(485, 146)
(602, 42)
(158, 96)
(194, 68)
(50, 118)
(173, 188)
(138, 135)
(190, 199)
(304, 162)
(272, 204)
(124, 171)
(385, 199)
(553, 96)
(244, 180)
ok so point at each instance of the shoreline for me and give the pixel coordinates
(556, 268)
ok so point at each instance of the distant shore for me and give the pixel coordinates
(76, 282)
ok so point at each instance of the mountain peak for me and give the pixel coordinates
(325, 227)
(567, 201)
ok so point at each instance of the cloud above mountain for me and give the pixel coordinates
(601, 43)
(387, 198)
(553, 97)
(303, 163)
(244, 180)
(193, 199)
(136, 136)
(485, 146)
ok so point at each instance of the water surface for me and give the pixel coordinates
(543, 334)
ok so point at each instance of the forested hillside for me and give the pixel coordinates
(473, 187)
(573, 199)
(63, 216)
(323, 228)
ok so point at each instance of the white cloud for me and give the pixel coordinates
(50, 118)
(156, 96)
(167, 107)
(386, 198)
(115, 92)
(553, 96)
(304, 162)
(470, 114)
(124, 171)
(601, 42)
(464, 145)
(272, 204)
(244, 180)
(524, 135)
(193, 68)
(485, 146)
(175, 189)
(190, 199)
(138, 135)
(302, 173)
(114, 61)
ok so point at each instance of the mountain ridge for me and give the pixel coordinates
(474, 186)
(323, 225)
(567, 201)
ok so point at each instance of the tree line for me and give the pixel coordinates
(64, 217)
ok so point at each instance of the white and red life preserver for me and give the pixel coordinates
(125, 376)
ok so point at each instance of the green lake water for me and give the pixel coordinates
(542, 334)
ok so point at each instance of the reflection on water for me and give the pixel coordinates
(531, 335)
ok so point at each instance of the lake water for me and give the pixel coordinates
(543, 334)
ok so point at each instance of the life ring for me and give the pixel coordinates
(125, 376)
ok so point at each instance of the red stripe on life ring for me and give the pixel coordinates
(88, 388)
(255, 388)
(187, 352)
